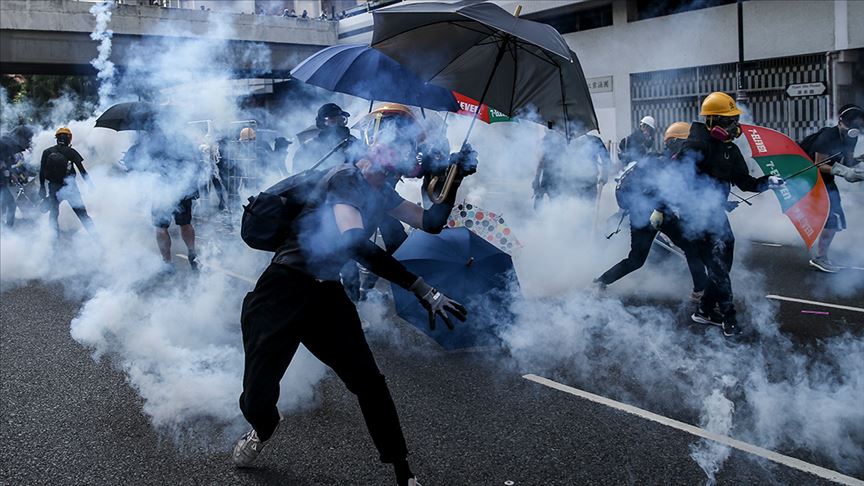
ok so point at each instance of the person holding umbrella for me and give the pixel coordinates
(718, 164)
(299, 298)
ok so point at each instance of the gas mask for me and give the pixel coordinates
(392, 142)
(725, 129)
(64, 139)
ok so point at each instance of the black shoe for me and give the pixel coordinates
(711, 318)
(731, 328)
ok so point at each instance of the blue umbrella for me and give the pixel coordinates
(467, 268)
(360, 70)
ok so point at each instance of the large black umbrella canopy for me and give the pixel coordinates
(133, 115)
(362, 71)
(484, 52)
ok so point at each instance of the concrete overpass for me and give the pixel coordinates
(53, 36)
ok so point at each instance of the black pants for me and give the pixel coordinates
(70, 193)
(7, 205)
(642, 236)
(716, 250)
(287, 308)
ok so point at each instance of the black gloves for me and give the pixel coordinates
(436, 303)
(465, 159)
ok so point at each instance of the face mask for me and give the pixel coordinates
(726, 134)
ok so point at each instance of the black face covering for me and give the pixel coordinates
(63, 139)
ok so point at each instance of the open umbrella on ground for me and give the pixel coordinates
(482, 51)
(133, 115)
(488, 225)
(464, 267)
(361, 71)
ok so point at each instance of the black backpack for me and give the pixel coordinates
(56, 167)
(625, 188)
(807, 143)
(268, 218)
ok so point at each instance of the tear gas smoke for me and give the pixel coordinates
(178, 340)
(104, 67)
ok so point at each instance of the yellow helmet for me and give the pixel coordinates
(370, 124)
(392, 109)
(719, 103)
(677, 130)
(247, 133)
(63, 131)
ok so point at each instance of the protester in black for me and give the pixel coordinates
(299, 299)
(175, 161)
(570, 169)
(331, 132)
(57, 168)
(718, 164)
(17, 141)
(836, 144)
(639, 143)
(639, 193)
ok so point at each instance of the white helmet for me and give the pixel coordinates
(648, 120)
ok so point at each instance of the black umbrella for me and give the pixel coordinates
(361, 71)
(484, 52)
(133, 115)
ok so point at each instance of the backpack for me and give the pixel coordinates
(56, 167)
(807, 143)
(625, 187)
(268, 217)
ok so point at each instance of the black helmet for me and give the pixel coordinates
(22, 135)
(329, 110)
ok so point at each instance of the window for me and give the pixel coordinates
(649, 9)
(575, 17)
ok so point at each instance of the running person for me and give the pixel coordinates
(638, 193)
(837, 144)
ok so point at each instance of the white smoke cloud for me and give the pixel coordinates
(104, 67)
(178, 339)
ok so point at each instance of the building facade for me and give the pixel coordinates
(662, 57)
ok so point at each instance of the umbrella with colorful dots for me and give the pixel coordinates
(488, 225)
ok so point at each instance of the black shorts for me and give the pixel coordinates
(836, 216)
(182, 214)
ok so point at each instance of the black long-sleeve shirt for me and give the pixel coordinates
(74, 162)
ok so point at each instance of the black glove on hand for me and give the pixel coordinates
(731, 206)
(465, 159)
(436, 303)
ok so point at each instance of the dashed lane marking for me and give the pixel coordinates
(813, 302)
(705, 434)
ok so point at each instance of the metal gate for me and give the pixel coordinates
(675, 95)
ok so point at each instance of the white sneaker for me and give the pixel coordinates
(246, 449)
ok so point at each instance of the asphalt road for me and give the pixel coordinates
(469, 417)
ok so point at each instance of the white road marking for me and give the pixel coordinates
(813, 302)
(705, 434)
(226, 272)
(763, 243)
